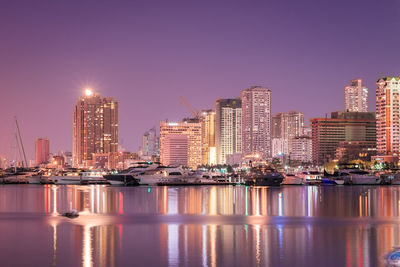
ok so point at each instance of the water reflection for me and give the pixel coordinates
(202, 226)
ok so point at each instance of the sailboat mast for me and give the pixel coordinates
(20, 141)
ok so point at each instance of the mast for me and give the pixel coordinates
(20, 141)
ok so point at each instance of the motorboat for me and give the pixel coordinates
(291, 179)
(310, 177)
(128, 177)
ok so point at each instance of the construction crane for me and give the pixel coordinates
(195, 112)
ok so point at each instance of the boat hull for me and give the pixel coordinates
(121, 179)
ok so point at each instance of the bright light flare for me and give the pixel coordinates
(88, 92)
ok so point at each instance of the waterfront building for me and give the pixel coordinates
(327, 133)
(95, 128)
(208, 149)
(356, 96)
(181, 143)
(285, 127)
(388, 116)
(256, 122)
(150, 144)
(42, 151)
(228, 131)
(301, 149)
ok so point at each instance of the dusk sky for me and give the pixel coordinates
(148, 53)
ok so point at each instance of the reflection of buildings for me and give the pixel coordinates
(270, 226)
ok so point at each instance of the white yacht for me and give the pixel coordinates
(162, 175)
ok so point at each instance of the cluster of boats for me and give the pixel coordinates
(152, 173)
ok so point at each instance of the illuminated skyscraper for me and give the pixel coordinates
(208, 150)
(42, 151)
(228, 125)
(95, 128)
(388, 116)
(180, 143)
(256, 121)
(356, 96)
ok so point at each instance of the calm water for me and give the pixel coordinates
(198, 226)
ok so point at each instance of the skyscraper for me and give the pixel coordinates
(95, 128)
(228, 123)
(180, 143)
(42, 151)
(388, 116)
(256, 121)
(208, 150)
(356, 96)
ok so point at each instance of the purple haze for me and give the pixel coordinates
(147, 53)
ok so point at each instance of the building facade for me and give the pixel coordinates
(356, 96)
(95, 128)
(256, 122)
(388, 116)
(181, 143)
(42, 151)
(327, 133)
(228, 128)
(301, 150)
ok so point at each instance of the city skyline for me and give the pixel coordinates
(43, 89)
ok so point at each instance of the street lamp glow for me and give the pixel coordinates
(88, 92)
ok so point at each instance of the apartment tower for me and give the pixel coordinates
(256, 121)
(95, 128)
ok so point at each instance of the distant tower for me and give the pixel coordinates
(388, 116)
(356, 96)
(150, 143)
(42, 151)
(95, 128)
(228, 131)
(256, 121)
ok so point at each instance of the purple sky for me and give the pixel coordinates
(147, 53)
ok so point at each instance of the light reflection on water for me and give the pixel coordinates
(199, 226)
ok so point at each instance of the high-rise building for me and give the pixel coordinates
(388, 116)
(228, 131)
(180, 143)
(95, 128)
(208, 150)
(285, 127)
(256, 121)
(150, 143)
(356, 96)
(327, 133)
(42, 151)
